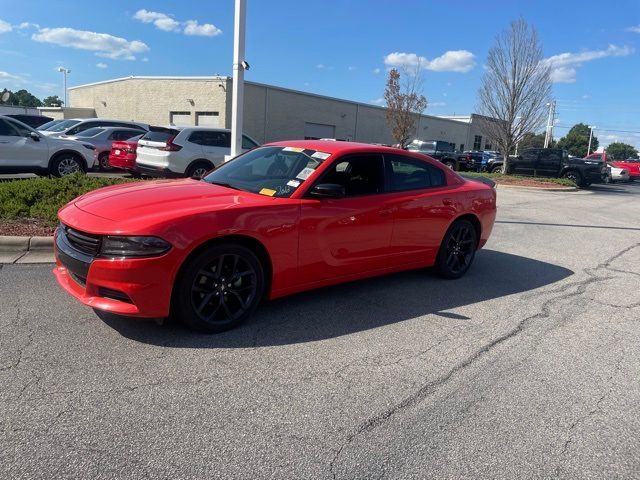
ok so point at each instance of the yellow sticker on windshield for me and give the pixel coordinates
(268, 192)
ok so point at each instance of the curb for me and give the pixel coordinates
(26, 244)
(540, 189)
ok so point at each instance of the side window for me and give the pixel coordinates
(248, 143)
(411, 174)
(22, 131)
(82, 127)
(217, 139)
(358, 174)
(120, 134)
(6, 130)
(554, 156)
(197, 138)
(529, 156)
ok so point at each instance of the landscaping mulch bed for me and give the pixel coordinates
(519, 182)
(28, 227)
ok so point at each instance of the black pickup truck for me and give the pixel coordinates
(555, 162)
(445, 153)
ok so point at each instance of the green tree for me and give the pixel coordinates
(533, 140)
(621, 151)
(52, 101)
(24, 98)
(576, 141)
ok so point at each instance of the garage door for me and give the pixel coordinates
(313, 131)
(208, 119)
(180, 119)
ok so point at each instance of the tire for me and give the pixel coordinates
(66, 164)
(219, 288)
(575, 177)
(198, 169)
(450, 164)
(496, 169)
(103, 161)
(457, 250)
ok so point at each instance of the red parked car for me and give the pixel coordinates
(279, 219)
(630, 165)
(123, 154)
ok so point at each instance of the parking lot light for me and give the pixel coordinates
(65, 72)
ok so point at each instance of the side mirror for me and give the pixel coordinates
(34, 136)
(328, 190)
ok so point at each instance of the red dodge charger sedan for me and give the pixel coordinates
(279, 219)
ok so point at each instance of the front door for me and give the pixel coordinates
(18, 149)
(345, 236)
(526, 164)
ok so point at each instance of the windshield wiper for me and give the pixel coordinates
(222, 184)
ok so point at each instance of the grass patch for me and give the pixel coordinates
(41, 198)
(514, 179)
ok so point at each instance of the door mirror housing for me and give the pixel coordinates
(328, 190)
(34, 136)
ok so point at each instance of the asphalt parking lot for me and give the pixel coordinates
(528, 367)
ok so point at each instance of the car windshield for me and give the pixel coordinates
(271, 171)
(90, 132)
(50, 124)
(62, 126)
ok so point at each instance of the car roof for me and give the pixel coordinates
(199, 127)
(332, 146)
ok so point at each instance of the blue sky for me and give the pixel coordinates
(336, 48)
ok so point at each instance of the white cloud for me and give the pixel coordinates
(9, 76)
(5, 27)
(436, 104)
(586, 96)
(452, 61)
(320, 66)
(103, 44)
(635, 29)
(376, 71)
(101, 65)
(162, 21)
(205, 30)
(24, 25)
(563, 65)
(378, 101)
(167, 23)
(145, 59)
(350, 68)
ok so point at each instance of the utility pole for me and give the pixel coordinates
(591, 128)
(550, 119)
(239, 66)
(64, 72)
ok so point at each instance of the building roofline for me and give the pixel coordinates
(271, 87)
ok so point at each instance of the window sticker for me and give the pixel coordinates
(321, 155)
(304, 174)
(293, 183)
(268, 192)
(293, 149)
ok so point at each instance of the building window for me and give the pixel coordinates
(180, 119)
(208, 119)
(477, 142)
(487, 146)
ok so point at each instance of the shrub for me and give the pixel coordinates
(42, 197)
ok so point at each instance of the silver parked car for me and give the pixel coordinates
(83, 124)
(102, 138)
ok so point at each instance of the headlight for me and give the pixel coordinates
(116, 247)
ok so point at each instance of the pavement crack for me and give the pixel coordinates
(429, 388)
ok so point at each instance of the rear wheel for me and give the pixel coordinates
(198, 169)
(219, 288)
(450, 163)
(458, 249)
(103, 161)
(575, 177)
(66, 164)
(496, 169)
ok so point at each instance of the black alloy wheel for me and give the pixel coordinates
(220, 288)
(457, 250)
(575, 177)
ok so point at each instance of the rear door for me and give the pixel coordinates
(548, 164)
(215, 145)
(526, 163)
(422, 207)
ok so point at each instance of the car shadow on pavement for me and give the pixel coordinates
(358, 306)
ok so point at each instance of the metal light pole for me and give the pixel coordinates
(547, 137)
(591, 128)
(64, 72)
(239, 66)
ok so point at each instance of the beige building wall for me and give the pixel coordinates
(270, 113)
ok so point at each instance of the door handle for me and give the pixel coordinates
(447, 201)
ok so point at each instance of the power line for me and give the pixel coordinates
(602, 129)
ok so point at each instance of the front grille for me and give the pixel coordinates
(83, 242)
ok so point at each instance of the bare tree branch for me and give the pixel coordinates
(516, 87)
(404, 102)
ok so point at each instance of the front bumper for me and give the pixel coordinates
(138, 287)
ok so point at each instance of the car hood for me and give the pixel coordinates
(164, 199)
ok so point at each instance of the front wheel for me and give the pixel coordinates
(575, 177)
(66, 164)
(458, 249)
(450, 164)
(219, 288)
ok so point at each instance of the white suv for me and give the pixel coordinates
(24, 150)
(185, 151)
